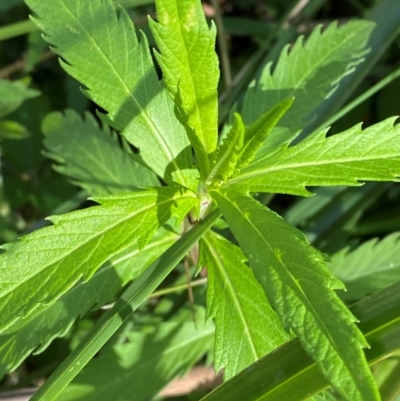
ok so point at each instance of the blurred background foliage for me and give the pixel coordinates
(251, 34)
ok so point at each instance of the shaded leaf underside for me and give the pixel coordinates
(92, 157)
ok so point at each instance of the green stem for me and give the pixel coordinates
(132, 3)
(130, 300)
(367, 94)
(176, 288)
(17, 29)
(170, 290)
(223, 47)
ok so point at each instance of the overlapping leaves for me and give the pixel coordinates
(309, 72)
(145, 363)
(51, 260)
(342, 159)
(191, 73)
(121, 79)
(301, 290)
(35, 331)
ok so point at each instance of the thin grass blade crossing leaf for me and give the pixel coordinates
(247, 328)
(36, 331)
(84, 239)
(301, 290)
(342, 159)
(145, 364)
(191, 72)
(101, 50)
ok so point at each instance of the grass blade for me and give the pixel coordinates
(130, 300)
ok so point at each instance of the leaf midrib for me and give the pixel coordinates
(192, 85)
(221, 159)
(234, 296)
(303, 164)
(152, 126)
(332, 343)
(98, 234)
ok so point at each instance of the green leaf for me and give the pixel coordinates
(298, 376)
(370, 267)
(342, 159)
(247, 328)
(102, 52)
(258, 132)
(51, 260)
(241, 144)
(91, 156)
(227, 154)
(12, 94)
(145, 364)
(330, 216)
(36, 48)
(129, 301)
(309, 72)
(301, 290)
(36, 331)
(387, 20)
(191, 71)
(12, 130)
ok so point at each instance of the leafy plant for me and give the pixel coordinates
(169, 190)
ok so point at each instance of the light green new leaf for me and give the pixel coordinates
(372, 266)
(12, 94)
(91, 156)
(241, 144)
(51, 260)
(139, 369)
(227, 154)
(35, 331)
(102, 51)
(301, 290)
(258, 132)
(342, 159)
(309, 72)
(191, 72)
(247, 328)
